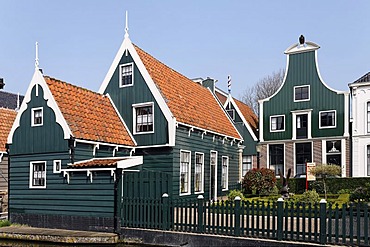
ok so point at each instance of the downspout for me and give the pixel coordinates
(117, 202)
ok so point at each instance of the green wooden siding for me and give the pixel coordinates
(125, 97)
(195, 143)
(45, 138)
(302, 71)
(249, 143)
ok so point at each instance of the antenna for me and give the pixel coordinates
(126, 27)
(37, 55)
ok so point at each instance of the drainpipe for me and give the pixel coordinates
(117, 202)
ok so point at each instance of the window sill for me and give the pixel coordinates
(185, 194)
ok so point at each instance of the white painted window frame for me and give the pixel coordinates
(251, 157)
(227, 172)
(33, 110)
(134, 107)
(302, 100)
(31, 186)
(57, 166)
(277, 116)
(202, 172)
(189, 174)
(294, 123)
(120, 75)
(335, 120)
(213, 197)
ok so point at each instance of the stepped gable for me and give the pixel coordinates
(188, 101)
(7, 117)
(89, 115)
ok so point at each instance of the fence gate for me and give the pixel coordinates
(141, 198)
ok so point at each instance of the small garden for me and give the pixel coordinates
(261, 185)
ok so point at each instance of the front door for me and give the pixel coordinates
(213, 176)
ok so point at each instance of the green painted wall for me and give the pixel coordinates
(302, 71)
(125, 97)
(249, 143)
(195, 143)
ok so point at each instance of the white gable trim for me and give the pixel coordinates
(38, 80)
(120, 117)
(128, 46)
(230, 99)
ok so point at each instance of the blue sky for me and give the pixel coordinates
(246, 39)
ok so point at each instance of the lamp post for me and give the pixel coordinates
(258, 149)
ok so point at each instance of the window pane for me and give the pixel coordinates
(144, 119)
(276, 155)
(198, 186)
(126, 76)
(184, 171)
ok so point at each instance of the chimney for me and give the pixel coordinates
(2, 84)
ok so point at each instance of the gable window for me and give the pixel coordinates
(277, 123)
(184, 172)
(302, 93)
(198, 175)
(38, 174)
(231, 113)
(143, 118)
(276, 157)
(225, 173)
(327, 119)
(37, 117)
(126, 75)
(368, 117)
(246, 164)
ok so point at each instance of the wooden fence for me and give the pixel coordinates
(319, 223)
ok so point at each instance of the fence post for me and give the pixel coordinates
(280, 214)
(165, 211)
(323, 221)
(237, 215)
(200, 213)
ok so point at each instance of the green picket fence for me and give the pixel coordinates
(318, 223)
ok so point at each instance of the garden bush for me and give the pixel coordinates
(361, 194)
(234, 193)
(310, 196)
(262, 181)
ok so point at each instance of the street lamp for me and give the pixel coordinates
(258, 149)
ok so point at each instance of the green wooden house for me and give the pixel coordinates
(67, 148)
(180, 127)
(305, 120)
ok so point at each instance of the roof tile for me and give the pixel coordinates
(7, 117)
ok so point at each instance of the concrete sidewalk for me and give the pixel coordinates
(57, 235)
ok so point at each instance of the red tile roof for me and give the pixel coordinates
(89, 115)
(7, 118)
(188, 101)
(97, 163)
(222, 98)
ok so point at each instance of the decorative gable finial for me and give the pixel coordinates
(126, 27)
(37, 55)
(229, 83)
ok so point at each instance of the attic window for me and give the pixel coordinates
(126, 75)
(143, 118)
(302, 93)
(37, 117)
(231, 113)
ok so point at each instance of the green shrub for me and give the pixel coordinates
(345, 191)
(262, 181)
(234, 193)
(310, 196)
(360, 194)
(4, 223)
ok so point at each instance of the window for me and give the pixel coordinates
(333, 152)
(198, 175)
(303, 154)
(37, 116)
(225, 173)
(327, 119)
(368, 160)
(185, 172)
(277, 123)
(276, 158)
(126, 75)
(246, 164)
(301, 93)
(301, 126)
(231, 113)
(143, 121)
(57, 166)
(38, 174)
(368, 117)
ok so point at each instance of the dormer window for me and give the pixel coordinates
(302, 93)
(37, 116)
(126, 75)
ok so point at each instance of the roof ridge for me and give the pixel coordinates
(361, 79)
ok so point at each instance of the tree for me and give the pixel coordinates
(324, 171)
(264, 88)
